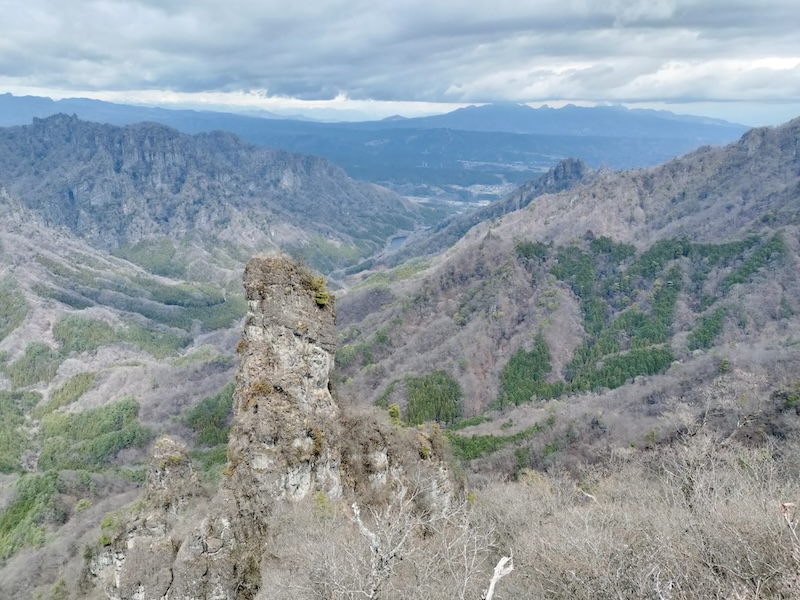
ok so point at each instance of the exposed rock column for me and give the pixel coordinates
(282, 446)
(283, 439)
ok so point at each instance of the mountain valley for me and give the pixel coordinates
(584, 365)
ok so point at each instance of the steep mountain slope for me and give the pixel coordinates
(655, 276)
(565, 175)
(91, 373)
(69, 308)
(96, 356)
(627, 311)
(286, 446)
(115, 187)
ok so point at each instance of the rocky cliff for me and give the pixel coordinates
(115, 186)
(286, 445)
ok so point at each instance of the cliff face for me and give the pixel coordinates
(115, 186)
(285, 415)
(286, 443)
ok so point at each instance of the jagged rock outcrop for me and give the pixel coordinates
(137, 563)
(286, 443)
(115, 186)
(280, 443)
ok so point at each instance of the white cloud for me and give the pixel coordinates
(413, 50)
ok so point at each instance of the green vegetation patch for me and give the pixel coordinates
(348, 354)
(528, 251)
(654, 260)
(178, 305)
(326, 256)
(211, 461)
(156, 256)
(221, 315)
(39, 363)
(707, 329)
(407, 270)
(68, 393)
(70, 298)
(475, 446)
(469, 422)
(13, 307)
(772, 250)
(433, 397)
(186, 295)
(656, 327)
(625, 338)
(523, 376)
(92, 438)
(210, 418)
(13, 406)
(22, 523)
(81, 334)
(615, 370)
(575, 267)
(203, 354)
(617, 252)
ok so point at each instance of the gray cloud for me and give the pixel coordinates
(442, 51)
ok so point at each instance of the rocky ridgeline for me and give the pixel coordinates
(286, 443)
(116, 186)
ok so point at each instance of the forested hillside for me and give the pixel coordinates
(640, 287)
(604, 368)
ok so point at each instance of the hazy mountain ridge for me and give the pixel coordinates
(476, 152)
(604, 121)
(117, 186)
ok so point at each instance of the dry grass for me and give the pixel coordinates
(699, 520)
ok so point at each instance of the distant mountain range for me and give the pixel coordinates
(571, 120)
(118, 186)
(589, 313)
(477, 152)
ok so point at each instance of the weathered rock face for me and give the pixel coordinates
(138, 564)
(280, 448)
(285, 417)
(286, 442)
(113, 186)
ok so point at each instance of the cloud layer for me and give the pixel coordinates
(410, 50)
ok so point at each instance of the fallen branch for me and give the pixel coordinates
(503, 568)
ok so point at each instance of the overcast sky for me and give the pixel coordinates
(737, 59)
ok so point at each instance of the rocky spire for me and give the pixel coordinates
(279, 449)
(284, 415)
(285, 444)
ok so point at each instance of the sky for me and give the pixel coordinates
(732, 59)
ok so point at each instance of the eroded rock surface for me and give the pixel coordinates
(286, 443)
(280, 442)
